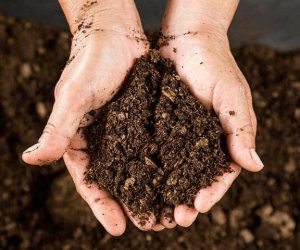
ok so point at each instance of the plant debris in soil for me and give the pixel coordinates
(155, 145)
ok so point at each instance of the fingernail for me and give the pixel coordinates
(32, 148)
(256, 158)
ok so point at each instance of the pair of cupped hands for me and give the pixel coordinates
(106, 43)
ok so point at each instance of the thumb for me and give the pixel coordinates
(235, 112)
(61, 127)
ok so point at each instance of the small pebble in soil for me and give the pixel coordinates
(290, 166)
(247, 236)
(26, 70)
(236, 215)
(218, 216)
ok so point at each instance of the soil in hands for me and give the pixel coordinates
(154, 145)
(40, 208)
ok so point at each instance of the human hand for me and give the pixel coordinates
(108, 37)
(199, 47)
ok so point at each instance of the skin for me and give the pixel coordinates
(98, 65)
(101, 55)
(204, 62)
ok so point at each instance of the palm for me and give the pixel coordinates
(104, 207)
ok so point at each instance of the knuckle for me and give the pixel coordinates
(74, 100)
(49, 128)
(247, 128)
(57, 89)
(254, 120)
(244, 130)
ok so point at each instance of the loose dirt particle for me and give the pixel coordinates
(26, 70)
(218, 216)
(247, 236)
(164, 40)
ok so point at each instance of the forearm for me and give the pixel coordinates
(100, 13)
(199, 15)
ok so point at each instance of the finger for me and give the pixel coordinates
(251, 110)
(167, 218)
(105, 208)
(144, 222)
(209, 196)
(78, 141)
(158, 227)
(231, 104)
(249, 100)
(89, 118)
(184, 215)
(61, 127)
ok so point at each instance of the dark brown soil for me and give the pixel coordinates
(39, 206)
(155, 145)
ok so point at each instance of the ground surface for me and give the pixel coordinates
(40, 209)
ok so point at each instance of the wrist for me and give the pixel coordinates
(115, 15)
(212, 16)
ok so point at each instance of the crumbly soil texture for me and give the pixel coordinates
(40, 208)
(154, 145)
